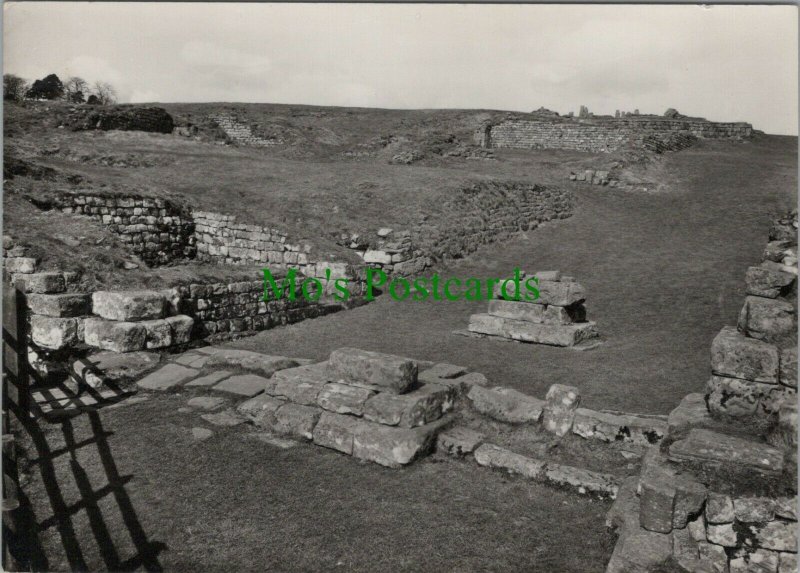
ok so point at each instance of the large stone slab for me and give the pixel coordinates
(770, 320)
(775, 535)
(559, 411)
(166, 377)
(766, 282)
(548, 314)
(735, 397)
(422, 406)
(668, 497)
(617, 427)
(54, 333)
(459, 441)
(243, 385)
(394, 447)
(129, 305)
(788, 370)
(692, 412)
(336, 431)
(736, 356)
(113, 335)
(59, 305)
(113, 367)
(583, 480)
(729, 452)
(24, 265)
(343, 399)
(297, 420)
(373, 370)
(523, 331)
(159, 333)
(505, 404)
(42, 283)
(182, 327)
(262, 364)
(557, 293)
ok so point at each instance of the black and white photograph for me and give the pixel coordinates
(399, 287)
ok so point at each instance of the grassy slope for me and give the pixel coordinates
(235, 504)
(663, 273)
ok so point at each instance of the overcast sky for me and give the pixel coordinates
(726, 63)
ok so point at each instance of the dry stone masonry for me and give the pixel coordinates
(605, 134)
(557, 317)
(720, 492)
(240, 132)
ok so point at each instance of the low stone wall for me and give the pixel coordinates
(241, 133)
(121, 117)
(605, 135)
(157, 230)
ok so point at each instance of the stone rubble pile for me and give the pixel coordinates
(720, 492)
(557, 317)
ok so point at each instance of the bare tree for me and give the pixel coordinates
(14, 87)
(105, 92)
(75, 89)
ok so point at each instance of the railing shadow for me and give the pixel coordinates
(21, 529)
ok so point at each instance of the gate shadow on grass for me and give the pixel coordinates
(21, 530)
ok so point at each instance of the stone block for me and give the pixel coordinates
(719, 509)
(343, 399)
(182, 327)
(524, 331)
(736, 356)
(766, 282)
(770, 320)
(668, 498)
(296, 420)
(112, 367)
(754, 509)
(459, 441)
(422, 406)
(722, 534)
(336, 431)
(159, 333)
(54, 333)
(24, 265)
(129, 305)
(506, 405)
(775, 535)
(167, 377)
(394, 447)
(545, 314)
(372, 256)
(373, 370)
(247, 385)
(585, 481)
(559, 410)
(787, 563)
(692, 412)
(261, 409)
(205, 402)
(558, 293)
(758, 561)
(729, 452)
(713, 558)
(684, 549)
(786, 508)
(113, 335)
(59, 305)
(493, 456)
(788, 369)
(262, 364)
(613, 427)
(41, 283)
(209, 379)
(734, 397)
(548, 275)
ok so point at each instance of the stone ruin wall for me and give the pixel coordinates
(602, 135)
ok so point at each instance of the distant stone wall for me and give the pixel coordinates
(157, 230)
(603, 135)
(240, 132)
(122, 117)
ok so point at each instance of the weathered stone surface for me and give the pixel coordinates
(205, 402)
(225, 418)
(557, 293)
(637, 549)
(441, 371)
(210, 379)
(768, 283)
(758, 561)
(343, 399)
(113, 367)
(690, 413)
(166, 377)
(713, 558)
(707, 447)
(786, 508)
(254, 407)
(721, 534)
(788, 371)
(297, 420)
(192, 358)
(734, 397)
(668, 498)
(559, 410)
(243, 385)
(775, 535)
(159, 333)
(776, 250)
(523, 331)
(182, 327)
(610, 427)
(372, 370)
(42, 283)
(784, 433)
(201, 434)
(129, 305)
(684, 549)
(493, 456)
(546, 314)
(60, 305)
(770, 320)
(505, 404)
(393, 447)
(754, 509)
(719, 509)
(24, 265)
(53, 333)
(336, 431)
(417, 408)
(736, 356)
(581, 479)
(787, 563)
(113, 335)
(262, 364)
(697, 528)
(459, 441)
